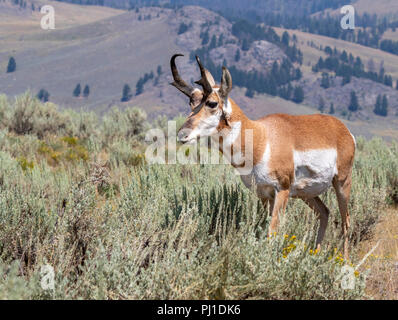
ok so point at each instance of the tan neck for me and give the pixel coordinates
(236, 138)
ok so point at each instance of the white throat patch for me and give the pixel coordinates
(227, 108)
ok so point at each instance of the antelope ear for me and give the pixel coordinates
(226, 83)
(210, 78)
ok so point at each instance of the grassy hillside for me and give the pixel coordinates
(383, 8)
(108, 53)
(365, 122)
(391, 35)
(311, 54)
(15, 21)
(380, 7)
(103, 54)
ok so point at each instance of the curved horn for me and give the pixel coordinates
(206, 80)
(226, 83)
(178, 82)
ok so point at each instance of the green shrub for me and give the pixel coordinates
(130, 123)
(114, 227)
(30, 116)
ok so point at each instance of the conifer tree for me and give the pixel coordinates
(126, 95)
(237, 58)
(77, 91)
(353, 106)
(384, 106)
(43, 95)
(331, 110)
(325, 83)
(12, 65)
(321, 106)
(298, 95)
(86, 91)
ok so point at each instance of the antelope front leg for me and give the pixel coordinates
(279, 206)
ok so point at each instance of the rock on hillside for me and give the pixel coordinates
(260, 56)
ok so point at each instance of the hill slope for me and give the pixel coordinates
(107, 48)
(107, 53)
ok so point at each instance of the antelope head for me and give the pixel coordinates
(210, 108)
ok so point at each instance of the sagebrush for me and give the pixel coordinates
(77, 194)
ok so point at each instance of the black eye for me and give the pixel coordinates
(212, 104)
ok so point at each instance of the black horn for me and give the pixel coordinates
(206, 79)
(178, 82)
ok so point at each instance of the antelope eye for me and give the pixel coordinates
(212, 104)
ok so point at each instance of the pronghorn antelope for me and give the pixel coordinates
(293, 156)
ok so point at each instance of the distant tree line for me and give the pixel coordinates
(183, 28)
(127, 93)
(277, 81)
(369, 35)
(86, 2)
(381, 106)
(20, 3)
(346, 66)
(229, 8)
(247, 32)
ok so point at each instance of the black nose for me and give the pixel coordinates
(183, 134)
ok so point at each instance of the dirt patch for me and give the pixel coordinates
(382, 263)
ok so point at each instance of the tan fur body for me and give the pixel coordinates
(284, 135)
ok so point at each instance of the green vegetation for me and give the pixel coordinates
(77, 90)
(12, 65)
(275, 82)
(347, 66)
(77, 194)
(321, 105)
(183, 28)
(354, 105)
(298, 95)
(381, 106)
(139, 87)
(86, 91)
(43, 95)
(325, 82)
(331, 109)
(126, 95)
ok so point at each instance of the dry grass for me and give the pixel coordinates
(67, 15)
(383, 8)
(389, 34)
(380, 7)
(382, 264)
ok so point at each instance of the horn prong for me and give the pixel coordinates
(205, 82)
